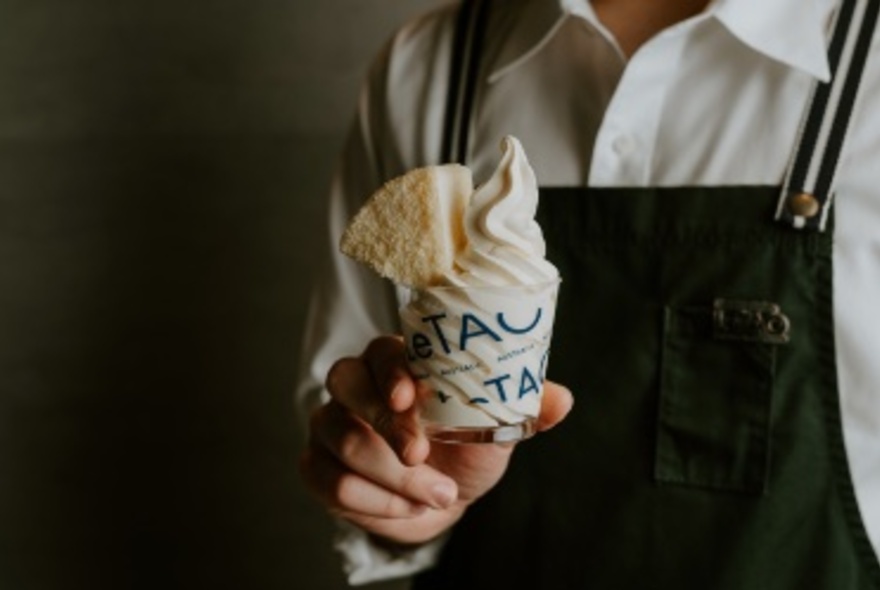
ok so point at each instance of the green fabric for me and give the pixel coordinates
(689, 461)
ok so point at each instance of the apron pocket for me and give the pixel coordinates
(714, 409)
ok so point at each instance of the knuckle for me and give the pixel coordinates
(409, 482)
(377, 347)
(324, 422)
(384, 352)
(336, 376)
(394, 506)
(350, 446)
(384, 423)
(327, 416)
(372, 348)
(345, 490)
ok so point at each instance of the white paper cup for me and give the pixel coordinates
(479, 356)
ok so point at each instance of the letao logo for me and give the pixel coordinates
(514, 351)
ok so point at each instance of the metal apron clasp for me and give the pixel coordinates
(750, 321)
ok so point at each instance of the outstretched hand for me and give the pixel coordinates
(369, 462)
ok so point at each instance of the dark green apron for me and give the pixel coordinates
(705, 449)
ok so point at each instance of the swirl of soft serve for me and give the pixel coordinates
(505, 243)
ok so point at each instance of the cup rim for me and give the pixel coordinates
(442, 288)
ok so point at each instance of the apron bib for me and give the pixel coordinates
(705, 449)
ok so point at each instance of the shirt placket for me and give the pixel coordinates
(625, 143)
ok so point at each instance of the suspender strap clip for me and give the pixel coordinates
(808, 190)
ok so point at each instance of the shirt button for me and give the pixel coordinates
(623, 145)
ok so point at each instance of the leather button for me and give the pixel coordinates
(803, 204)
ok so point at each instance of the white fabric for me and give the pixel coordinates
(365, 562)
(714, 100)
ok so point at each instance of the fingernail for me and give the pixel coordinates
(443, 494)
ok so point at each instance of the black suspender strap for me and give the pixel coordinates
(808, 189)
(463, 77)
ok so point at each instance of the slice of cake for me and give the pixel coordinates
(411, 229)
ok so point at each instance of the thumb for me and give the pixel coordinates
(555, 405)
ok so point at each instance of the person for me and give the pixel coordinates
(709, 194)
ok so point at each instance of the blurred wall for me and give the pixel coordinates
(163, 167)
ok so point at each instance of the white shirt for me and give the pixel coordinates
(714, 100)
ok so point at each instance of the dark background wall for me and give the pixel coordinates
(163, 167)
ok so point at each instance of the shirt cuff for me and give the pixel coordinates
(364, 561)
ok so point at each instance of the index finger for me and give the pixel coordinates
(386, 358)
(351, 383)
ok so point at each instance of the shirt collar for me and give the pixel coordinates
(530, 28)
(792, 32)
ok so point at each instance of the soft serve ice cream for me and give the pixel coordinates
(478, 332)
(505, 245)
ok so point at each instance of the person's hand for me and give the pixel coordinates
(369, 462)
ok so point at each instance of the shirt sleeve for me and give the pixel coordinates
(365, 562)
(349, 306)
